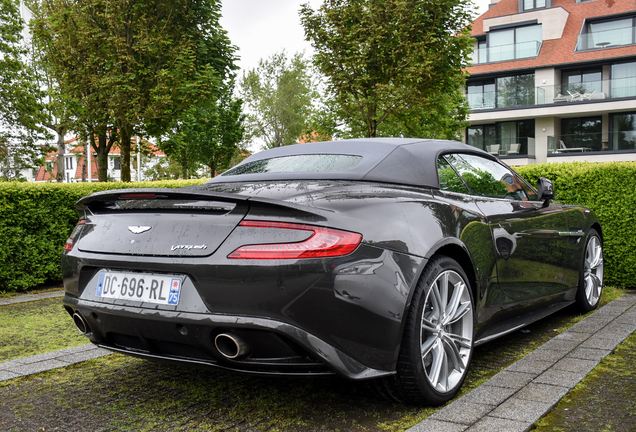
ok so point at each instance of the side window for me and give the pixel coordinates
(488, 178)
(448, 178)
(530, 193)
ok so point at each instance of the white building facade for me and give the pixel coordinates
(554, 81)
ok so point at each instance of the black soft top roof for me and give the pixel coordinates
(409, 161)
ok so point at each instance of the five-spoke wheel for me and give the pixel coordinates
(591, 278)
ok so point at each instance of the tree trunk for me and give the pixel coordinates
(102, 156)
(85, 167)
(125, 132)
(184, 163)
(61, 151)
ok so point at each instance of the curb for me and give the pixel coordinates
(30, 297)
(515, 398)
(52, 360)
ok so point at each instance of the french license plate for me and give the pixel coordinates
(141, 287)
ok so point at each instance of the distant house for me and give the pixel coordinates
(74, 163)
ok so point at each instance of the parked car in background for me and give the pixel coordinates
(376, 259)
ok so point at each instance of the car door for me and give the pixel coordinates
(530, 251)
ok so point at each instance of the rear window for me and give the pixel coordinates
(298, 163)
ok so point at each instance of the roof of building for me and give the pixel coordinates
(44, 175)
(558, 51)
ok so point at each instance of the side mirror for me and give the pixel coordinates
(545, 188)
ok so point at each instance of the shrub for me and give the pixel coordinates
(35, 221)
(610, 190)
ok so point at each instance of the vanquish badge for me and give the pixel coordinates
(136, 229)
(189, 247)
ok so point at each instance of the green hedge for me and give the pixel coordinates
(610, 190)
(35, 221)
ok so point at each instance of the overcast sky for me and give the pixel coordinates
(260, 28)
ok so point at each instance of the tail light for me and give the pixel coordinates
(68, 246)
(324, 242)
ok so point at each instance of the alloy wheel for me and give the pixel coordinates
(593, 270)
(446, 331)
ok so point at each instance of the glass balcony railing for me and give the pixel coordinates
(522, 147)
(579, 92)
(606, 39)
(572, 144)
(576, 143)
(507, 52)
(587, 91)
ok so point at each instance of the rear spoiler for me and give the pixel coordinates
(203, 200)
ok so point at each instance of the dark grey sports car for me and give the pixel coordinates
(375, 259)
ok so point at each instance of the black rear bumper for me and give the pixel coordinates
(277, 348)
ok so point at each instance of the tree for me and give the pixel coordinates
(20, 112)
(208, 135)
(389, 62)
(147, 61)
(278, 95)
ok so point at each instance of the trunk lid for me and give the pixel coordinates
(158, 222)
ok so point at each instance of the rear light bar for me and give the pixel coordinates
(324, 242)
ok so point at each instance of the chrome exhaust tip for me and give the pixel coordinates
(81, 324)
(231, 346)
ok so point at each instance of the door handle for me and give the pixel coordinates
(577, 233)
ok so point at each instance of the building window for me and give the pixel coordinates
(623, 80)
(516, 43)
(534, 4)
(482, 137)
(517, 90)
(503, 139)
(481, 94)
(576, 83)
(69, 163)
(607, 34)
(580, 134)
(503, 92)
(623, 131)
(117, 163)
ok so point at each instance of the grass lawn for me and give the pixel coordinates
(36, 327)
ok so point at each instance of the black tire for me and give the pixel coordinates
(436, 350)
(590, 287)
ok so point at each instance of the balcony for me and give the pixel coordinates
(523, 148)
(576, 143)
(544, 95)
(587, 91)
(573, 144)
(606, 39)
(507, 52)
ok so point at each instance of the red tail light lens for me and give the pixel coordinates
(324, 242)
(68, 246)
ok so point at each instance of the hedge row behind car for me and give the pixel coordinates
(36, 219)
(610, 190)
